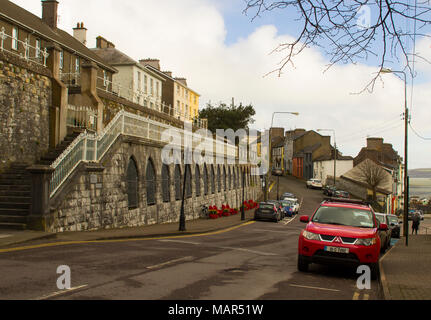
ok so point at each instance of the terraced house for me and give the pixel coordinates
(176, 93)
(77, 154)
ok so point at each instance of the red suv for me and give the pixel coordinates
(341, 231)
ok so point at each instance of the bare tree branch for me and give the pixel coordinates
(333, 26)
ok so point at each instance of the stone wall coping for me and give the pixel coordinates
(29, 65)
(39, 168)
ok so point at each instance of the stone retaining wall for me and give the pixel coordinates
(98, 198)
(25, 99)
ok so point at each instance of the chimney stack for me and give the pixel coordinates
(49, 13)
(155, 63)
(102, 43)
(168, 73)
(80, 33)
(182, 80)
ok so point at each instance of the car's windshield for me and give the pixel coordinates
(381, 218)
(286, 203)
(344, 216)
(393, 219)
(266, 206)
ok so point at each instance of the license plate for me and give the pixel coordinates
(337, 249)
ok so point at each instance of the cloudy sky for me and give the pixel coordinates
(224, 54)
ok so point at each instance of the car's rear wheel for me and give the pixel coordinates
(302, 264)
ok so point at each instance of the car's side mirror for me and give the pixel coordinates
(305, 219)
(383, 227)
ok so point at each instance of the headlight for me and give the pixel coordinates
(310, 235)
(367, 242)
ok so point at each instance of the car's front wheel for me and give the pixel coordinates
(302, 264)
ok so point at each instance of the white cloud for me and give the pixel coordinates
(189, 38)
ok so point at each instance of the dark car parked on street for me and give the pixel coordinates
(288, 208)
(394, 225)
(342, 194)
(329, 191)
(268, 211)
(385, 235)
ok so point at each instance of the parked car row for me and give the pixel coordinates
(347, 232)
(277, 210)
(314, 184)
(331, 191)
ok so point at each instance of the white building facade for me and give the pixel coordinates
(325, 167)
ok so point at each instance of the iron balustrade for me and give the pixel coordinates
(39, 57)
(82, 117)
(91, 147)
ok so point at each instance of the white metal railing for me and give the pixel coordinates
(30, 53)
(90, 147)
(147, 100)
(82, 117)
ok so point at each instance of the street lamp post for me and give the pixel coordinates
(406, 125)
(270, 150)
(335, 154)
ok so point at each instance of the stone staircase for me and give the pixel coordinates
(15, 197)
(15, 188)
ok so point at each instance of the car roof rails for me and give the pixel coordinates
(344, 200)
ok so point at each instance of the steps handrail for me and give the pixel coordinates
(88, 147)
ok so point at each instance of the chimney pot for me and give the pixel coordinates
(80, 33)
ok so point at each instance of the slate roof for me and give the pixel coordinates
(25, 19)
(114, 56)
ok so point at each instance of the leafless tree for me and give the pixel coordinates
(373, 175)
(335, 26)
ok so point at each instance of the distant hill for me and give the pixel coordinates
(420, 173)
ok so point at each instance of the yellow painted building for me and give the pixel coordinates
(193, 104)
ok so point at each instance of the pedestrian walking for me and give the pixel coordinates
(416, 222)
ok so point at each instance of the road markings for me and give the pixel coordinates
(2, 236)
(58, 293)
(271, 186)
(180, 241)
(170, 262)
(315, 288)
(289, 221)
(56, 244)
(357, 295)
(228, 248)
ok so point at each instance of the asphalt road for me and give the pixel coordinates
(256, 261)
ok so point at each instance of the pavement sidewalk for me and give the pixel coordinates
(405, 271)
(10, 238)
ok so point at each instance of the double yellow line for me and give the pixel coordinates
(66, 243)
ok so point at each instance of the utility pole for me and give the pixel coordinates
(406, 140)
